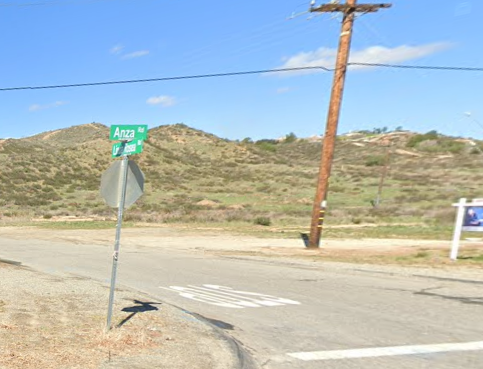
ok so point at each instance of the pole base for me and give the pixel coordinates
(306, 241)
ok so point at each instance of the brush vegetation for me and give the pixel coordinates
(196, 177)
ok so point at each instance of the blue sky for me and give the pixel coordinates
(48, 42)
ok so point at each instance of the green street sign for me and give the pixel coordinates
(127, 148)
(128, 132)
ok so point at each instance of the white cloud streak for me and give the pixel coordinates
(164, 100)
(325, 57)
(283, 90)
(37, 107)
(116, 49)
(135, 54)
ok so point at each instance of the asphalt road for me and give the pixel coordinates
(291, 314)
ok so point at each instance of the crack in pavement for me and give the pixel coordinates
(464, 300)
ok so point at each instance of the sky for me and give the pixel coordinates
(55, 42)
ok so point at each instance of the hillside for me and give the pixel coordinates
(195, 176)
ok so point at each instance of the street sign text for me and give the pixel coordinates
(128, 132)
(127, 148)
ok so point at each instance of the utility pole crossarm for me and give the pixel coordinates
(347, 8)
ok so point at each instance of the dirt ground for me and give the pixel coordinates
(52, 323)
(167, 236)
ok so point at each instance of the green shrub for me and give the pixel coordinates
(417, 139)
(442, 145)
(267, 146)
(453, 147)
(375, 160)
(291, 137)
(263, 221)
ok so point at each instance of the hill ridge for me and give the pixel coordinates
(57, 173)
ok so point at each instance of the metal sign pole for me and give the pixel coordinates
(115, 256)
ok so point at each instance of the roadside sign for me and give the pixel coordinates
(111, 184)
(121, 185)
(127, 148)
(128, 132)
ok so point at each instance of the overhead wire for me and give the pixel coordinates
(195, 55)
(261, 38)
(197, 76)
(274, 40)
(241, 73)
(381, 38)
(477, 122)
(418, 67)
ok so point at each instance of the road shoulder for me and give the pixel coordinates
(52, 322)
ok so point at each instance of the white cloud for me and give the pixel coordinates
(136, 54)
(164, 101)
(283, 90)
(325, 57)
(37, 107)
(116, 49)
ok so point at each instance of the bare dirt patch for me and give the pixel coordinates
(49, 135)
(51, 322)
(427, 254)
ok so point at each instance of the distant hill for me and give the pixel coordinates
(195, 176)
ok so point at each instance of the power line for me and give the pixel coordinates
(167, 78)
(427, 67)
(262, 38)
(263, 71)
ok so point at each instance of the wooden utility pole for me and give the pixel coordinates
(349, 10)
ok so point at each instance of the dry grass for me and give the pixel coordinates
(43, 325)
(143, 333)
(59, 345)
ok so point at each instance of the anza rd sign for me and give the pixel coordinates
(128, 132)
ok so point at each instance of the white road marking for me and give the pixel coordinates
(261, 299)
(194, 294)
(228, 297)
(387, 351)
